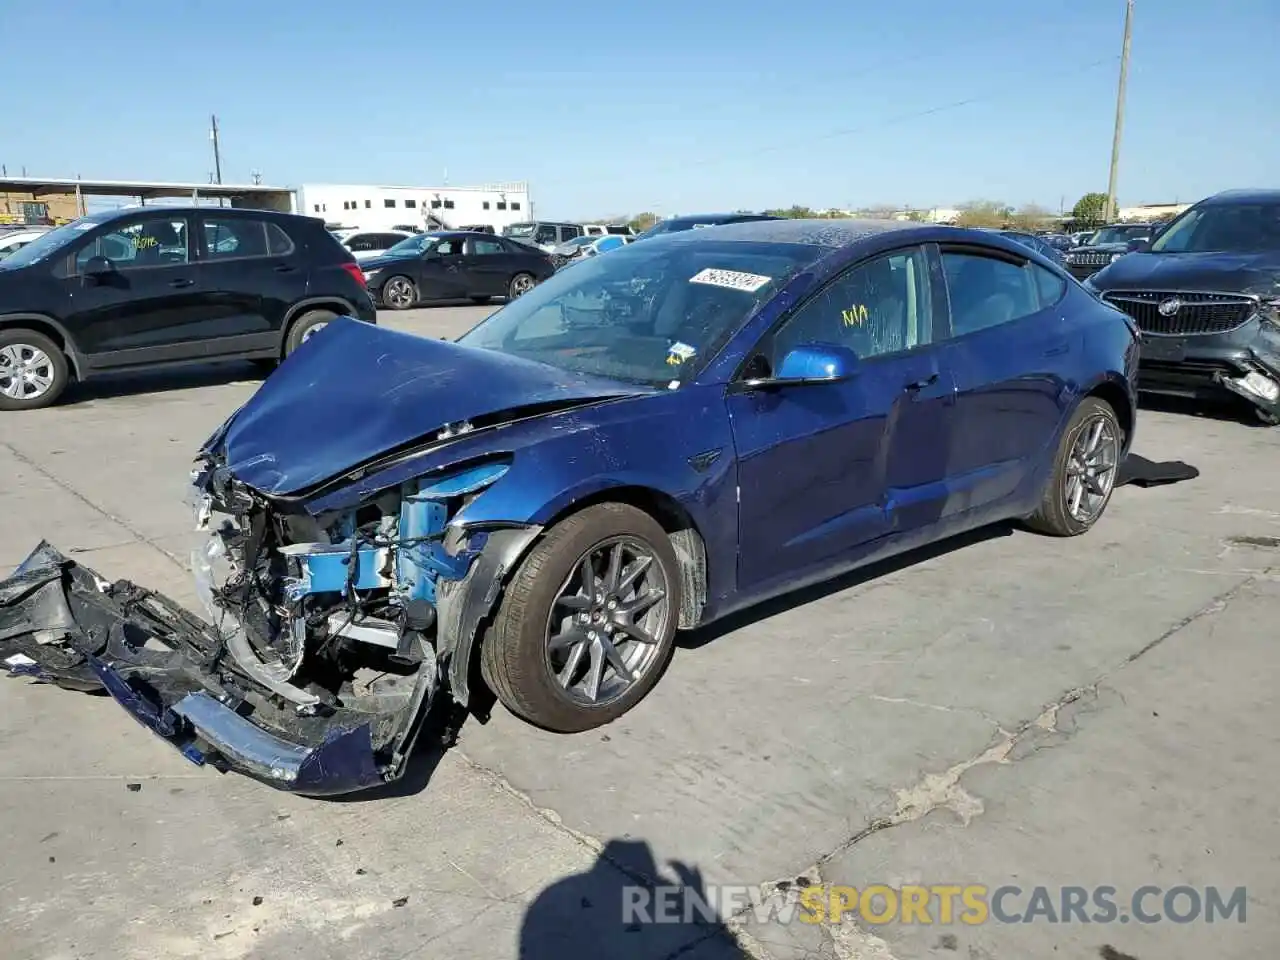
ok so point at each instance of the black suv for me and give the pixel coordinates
(145, 287)
(1206, 295)
(1105, 247)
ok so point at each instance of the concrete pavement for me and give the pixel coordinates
(1013, 709)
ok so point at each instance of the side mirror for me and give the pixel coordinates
(98, 268)
(1138, 244)
(811, 363)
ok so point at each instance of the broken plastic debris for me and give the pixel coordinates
(19, 660)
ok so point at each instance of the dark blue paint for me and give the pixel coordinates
(817, 477)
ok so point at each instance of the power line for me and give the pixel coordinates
(905, 117)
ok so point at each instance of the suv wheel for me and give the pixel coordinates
(399, 293)
(33, 370)
(306, 327)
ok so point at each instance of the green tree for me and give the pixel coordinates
(984, 213)
(1092, 207)
(793, 212)
(1031, 217)
(642, 221)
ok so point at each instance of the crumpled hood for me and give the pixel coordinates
(1257, 273)
(357, 391)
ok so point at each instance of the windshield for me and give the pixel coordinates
(1237, 227)
(519, 230)
(649, 313)
(1119, 235)
(49, 243)
(413, 246)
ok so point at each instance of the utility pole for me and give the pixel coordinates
(217, 157)
(1115, 140)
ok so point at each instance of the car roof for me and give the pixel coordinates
(1245, 195)
(824, 233)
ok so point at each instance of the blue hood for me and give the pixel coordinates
(356, 391)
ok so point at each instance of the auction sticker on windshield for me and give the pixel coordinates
(750, 282)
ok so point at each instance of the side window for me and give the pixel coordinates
(878, 307)
(448, 248)
(1049, 285)
(279, 243)
(226, 238)
(987, 292)
(484, 248)
(546, 235)
(151, 242)
(361, 243)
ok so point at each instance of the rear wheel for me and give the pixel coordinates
(520, 284)
(306, 327)
(33, 370)
(588, 621)
(1084, 472)
(399, 293)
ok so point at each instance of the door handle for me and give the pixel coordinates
(1057, 351)
(923, 382)
(285, 268)
(178, 284)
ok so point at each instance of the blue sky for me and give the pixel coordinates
(609, 108)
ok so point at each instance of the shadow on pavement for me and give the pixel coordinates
(612, 911)
(143, 382)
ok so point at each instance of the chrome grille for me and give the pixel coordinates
(1197, 314)
(1086, 258)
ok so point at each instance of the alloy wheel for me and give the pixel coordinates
(312, 330)
(398, 292)
(604, 627)
(1091, 468)
(26, 372)
(521, 285)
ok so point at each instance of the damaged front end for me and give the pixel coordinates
(1257, 380)
(330, 635)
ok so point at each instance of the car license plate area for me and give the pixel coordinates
(1163, 348)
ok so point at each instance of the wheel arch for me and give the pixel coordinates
(1115, 393)
(338, 305)
(682, 531)
(52, 329)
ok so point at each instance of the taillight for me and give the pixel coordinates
(356, 273)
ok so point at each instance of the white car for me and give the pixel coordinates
(373, 243)
(14, 240)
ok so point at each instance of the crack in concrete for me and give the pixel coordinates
(65, 487)
(848, 941)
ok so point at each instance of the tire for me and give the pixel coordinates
(398, 293)
(306, 326)
(44, 374)
(516, 657)
(520, 284)
(1054, 515)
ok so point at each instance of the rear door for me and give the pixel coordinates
(254, 272)
(1011, 348)
(149, 307)
(827, 469)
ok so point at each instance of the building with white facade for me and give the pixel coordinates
(380, 208)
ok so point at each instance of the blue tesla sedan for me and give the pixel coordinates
(637, 446)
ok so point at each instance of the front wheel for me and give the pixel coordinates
(1084, 472)
(521, 284)
(399, 293)
(587, 622)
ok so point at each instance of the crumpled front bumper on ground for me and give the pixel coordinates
(60, 622)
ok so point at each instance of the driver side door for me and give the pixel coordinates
(144, 309)
(825, 470)
(441, 273)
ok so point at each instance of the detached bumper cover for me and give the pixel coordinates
(62, 623)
